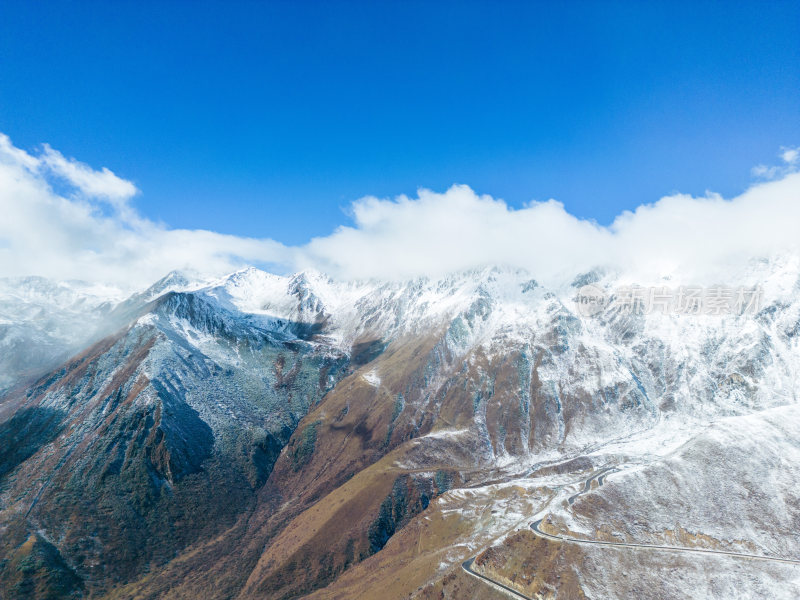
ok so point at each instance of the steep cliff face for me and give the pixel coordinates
(265, 436)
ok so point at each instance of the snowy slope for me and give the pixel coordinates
(484, 374)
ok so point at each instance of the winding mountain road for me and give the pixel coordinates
(467, 566)
(559, 538)
(600, 477)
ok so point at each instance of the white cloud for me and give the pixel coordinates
(438, 233)
(95, 184)
(790, 156)
(791, 160)
(69, 236)
(678, 236)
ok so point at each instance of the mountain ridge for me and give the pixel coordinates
(292, 430)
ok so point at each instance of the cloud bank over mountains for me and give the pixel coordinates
(66, 220)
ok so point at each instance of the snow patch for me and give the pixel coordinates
(372, 378)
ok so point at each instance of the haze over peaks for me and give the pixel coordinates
(67, 220)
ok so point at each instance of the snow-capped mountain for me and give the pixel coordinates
(268, 436)
(42, 322)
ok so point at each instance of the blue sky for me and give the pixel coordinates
(269, 119)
